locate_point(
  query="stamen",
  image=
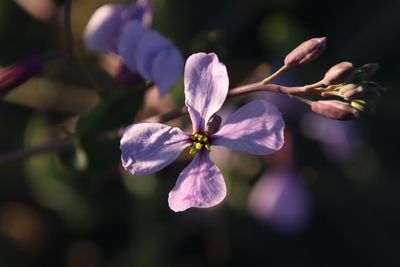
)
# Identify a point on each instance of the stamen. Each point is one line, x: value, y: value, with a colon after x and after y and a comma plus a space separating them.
x: 200, y: 141
x: 193, y: 150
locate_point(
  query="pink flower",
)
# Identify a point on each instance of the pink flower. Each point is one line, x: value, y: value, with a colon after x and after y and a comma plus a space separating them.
x: 105, y: 26
x: 280, y: 199
x: 123, y: 30
x: 255, y: 128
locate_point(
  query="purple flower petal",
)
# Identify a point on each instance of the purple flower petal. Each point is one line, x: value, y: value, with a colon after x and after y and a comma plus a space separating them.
x: 149, y: 147
x: 280, y: 199
x: 103, y: 29
x: 206, y: 87
x: 148, y: 47
x: 199, y: 185
x: 132, y: 32
x: 141, y: 11
x: 166, y: 69
x: 255, y: 128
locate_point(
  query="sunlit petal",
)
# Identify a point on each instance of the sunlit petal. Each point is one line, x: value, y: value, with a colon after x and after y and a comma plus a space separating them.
x: 256, y: 128
x: 149, y: 147
x: 200, y: 185
x: 206, y: 87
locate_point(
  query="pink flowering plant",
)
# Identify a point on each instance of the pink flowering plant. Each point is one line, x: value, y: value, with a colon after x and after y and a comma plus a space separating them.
x: 255, y: 128
x: 124, y: 31
x: 198, y: 133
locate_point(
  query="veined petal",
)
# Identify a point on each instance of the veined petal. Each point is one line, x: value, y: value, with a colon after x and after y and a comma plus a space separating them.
x: 103, y: 28
x: 148, y: 47
x: 166, y: 69
x: 149, y: 147
x: 206, y: 87
x: 200, y: 185
x: 132, y: 32
x: 256, y: 128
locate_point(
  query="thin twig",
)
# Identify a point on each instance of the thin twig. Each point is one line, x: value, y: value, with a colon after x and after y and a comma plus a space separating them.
x: 26, y: 153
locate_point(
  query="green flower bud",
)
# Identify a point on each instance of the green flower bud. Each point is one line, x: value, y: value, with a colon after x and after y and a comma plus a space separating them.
x: 359, y: 104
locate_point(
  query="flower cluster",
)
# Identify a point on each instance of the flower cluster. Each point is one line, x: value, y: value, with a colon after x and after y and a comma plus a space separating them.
x: 123, y: 30
x: 349, y: 90
x: 255, y: 128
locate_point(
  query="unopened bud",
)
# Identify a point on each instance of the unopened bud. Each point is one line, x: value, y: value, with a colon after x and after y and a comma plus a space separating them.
x: 213, y: 124
x: 373, y: 88
x: 370, y: 69
x: 350, y: 91
x: 306, y: 52
x: 338, y: 73
x: 335, y: 109
x: 363, y: 72
x: 17, y: 74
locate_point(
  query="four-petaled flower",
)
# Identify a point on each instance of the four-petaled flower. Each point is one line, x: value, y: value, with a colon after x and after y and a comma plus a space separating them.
x: 256, y: 128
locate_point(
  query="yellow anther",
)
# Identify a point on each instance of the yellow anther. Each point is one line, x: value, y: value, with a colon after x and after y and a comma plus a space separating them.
x: 207, y: 146
x: 198, y: 146
x: 200, y: 141
x: 195, y: 136
x: 193, y: 150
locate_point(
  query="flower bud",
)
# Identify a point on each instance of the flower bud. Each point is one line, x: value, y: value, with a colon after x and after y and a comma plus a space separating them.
x: 373, y: 88
x: 363, y: 72
x: 335, y: 109
x: 370, y: 69
x: 306, y: 52
x: 17, y: 74
x: 351, y: 90
x: 213, y: 124
x: 338, y: 73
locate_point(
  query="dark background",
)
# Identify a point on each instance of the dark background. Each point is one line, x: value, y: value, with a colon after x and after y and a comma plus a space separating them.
x: 78, y: 208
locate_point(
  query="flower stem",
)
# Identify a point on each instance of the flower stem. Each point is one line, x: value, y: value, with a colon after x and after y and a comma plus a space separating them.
x: 274, y: 75
x: 261, y: 86
x: 28, y: 152
x: 303, y: 100
x: 68, y: 141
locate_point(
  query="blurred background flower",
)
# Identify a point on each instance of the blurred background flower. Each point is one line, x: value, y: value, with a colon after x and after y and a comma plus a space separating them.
x: 281, y: 200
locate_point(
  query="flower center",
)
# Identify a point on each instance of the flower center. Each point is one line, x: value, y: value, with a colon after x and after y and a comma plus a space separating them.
x: 200, y: 141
